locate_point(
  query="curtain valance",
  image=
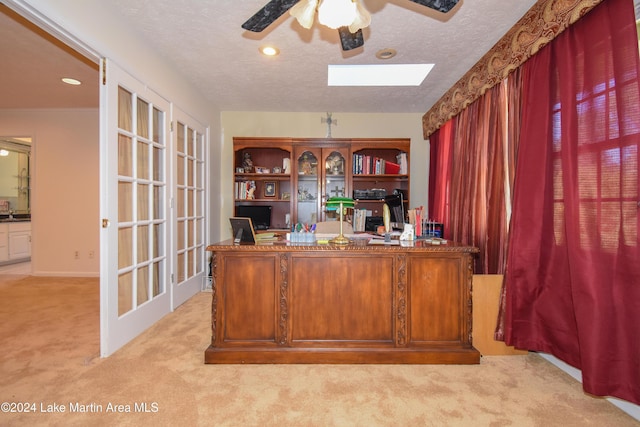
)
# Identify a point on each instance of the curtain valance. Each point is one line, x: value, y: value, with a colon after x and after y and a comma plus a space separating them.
x: 544, y: 21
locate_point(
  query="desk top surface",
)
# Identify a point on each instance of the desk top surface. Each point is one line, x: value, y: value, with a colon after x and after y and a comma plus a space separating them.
x: 355, y: 244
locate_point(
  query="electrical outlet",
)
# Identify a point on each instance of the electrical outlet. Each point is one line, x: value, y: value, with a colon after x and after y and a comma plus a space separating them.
x: 77, y: 255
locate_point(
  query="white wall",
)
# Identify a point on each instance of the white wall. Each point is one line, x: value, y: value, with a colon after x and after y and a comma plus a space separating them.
x: 64, y: 187
x: 308, y: 125
x: 92, y: 28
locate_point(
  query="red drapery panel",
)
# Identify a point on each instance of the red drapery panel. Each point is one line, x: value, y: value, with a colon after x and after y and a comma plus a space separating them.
x: 472, y: 161
x: 573, y: 275
x: 441, y: 143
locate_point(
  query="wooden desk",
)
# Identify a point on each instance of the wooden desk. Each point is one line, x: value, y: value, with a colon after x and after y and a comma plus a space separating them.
x: 288, y: 303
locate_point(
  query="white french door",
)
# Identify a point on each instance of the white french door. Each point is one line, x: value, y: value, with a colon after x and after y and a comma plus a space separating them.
x: 189, y: 203
x: 134, y: 186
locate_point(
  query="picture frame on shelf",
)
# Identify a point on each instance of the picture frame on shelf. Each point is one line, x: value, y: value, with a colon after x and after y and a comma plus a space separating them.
x: 270, y: 188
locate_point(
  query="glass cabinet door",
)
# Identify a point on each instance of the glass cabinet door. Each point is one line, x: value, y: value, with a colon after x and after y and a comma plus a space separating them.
x: 334, y: 179
x: 307, y: 196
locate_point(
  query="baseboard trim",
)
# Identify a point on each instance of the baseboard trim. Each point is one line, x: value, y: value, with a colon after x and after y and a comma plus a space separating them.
x: 65, y: 274
x: 630, y: 408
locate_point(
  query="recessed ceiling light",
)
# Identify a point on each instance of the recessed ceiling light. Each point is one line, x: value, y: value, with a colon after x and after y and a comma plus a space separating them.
x: 71, y: 81
x: 269, y: 51
x: 386, y: 53
x: 378, y: 75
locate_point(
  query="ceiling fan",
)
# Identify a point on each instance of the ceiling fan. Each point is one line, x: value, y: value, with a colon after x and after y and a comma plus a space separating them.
x: 349, y: 40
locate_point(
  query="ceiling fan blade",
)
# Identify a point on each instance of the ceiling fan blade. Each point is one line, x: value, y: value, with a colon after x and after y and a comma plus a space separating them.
x: 443, y: 6
x: 350, y: 40
x: 269, y: 13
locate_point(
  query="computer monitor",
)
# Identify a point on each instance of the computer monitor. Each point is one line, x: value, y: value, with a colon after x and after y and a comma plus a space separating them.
x: 396, y: 208
x: 260, y: 215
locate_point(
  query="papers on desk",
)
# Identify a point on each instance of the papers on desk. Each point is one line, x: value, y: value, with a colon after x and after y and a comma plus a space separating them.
x: 382, y: 242
x: 266, y: 237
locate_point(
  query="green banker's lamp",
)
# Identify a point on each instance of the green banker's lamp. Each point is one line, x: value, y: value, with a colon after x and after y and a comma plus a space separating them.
x: 340, y: 204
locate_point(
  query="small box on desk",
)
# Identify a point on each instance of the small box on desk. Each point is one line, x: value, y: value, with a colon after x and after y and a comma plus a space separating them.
x: 432, y: 229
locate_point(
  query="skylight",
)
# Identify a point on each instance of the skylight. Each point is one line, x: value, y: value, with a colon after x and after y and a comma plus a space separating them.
x: 378, y: 75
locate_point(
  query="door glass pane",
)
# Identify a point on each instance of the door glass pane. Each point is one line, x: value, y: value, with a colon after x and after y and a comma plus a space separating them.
x: 143, y: 285
x: 190, y: 233
x: 190, y: 172
x: 143, y: 243
x: 158, y: 163
x: 180, y: 202
x: 180, y: 137
x: 125, y: 156
x: 143, y: 119
x: 180, y: 230
x: 334, y: 183
x: 143, y: 161
x: 125, y: 239
x: 158, y: 129
x: 191, y: 263
x: 143, y: 202
x: 307, y: 188
x: 125, y: 197
x: 158, y: 240
x: 156, y: 283
x: 199, y: 228
x: 180, y: 173
x: 125, y: 290
x: 181, y: 272
x: 199, y: 173
x: 125, y: 110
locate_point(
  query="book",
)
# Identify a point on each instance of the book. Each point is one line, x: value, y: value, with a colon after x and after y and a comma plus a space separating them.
x: 391, y: 168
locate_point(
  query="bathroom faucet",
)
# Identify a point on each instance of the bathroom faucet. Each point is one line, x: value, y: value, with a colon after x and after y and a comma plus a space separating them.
x: 10, y: 213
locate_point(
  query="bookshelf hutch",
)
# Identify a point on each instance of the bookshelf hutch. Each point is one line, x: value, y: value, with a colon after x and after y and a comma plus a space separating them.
x: 295, y: 176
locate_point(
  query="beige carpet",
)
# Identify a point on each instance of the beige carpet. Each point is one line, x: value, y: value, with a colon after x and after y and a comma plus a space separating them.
x: 49, y: 331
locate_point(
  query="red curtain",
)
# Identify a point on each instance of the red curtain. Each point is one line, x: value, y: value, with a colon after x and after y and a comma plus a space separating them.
x: 471, y: 175
x: 441, y: 144
x: 573, y: 274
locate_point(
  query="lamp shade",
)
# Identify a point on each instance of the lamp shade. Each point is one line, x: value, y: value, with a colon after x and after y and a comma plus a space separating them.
x: 362, y: 19
x: 304, y: 12
x: 334, y: 203
x: 336, y: 13
x: 340, y: 204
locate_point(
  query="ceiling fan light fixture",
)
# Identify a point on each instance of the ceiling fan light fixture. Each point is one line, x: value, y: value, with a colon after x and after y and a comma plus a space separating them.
x: 336, y: 13
x: 362, y: 19
x: 304, y: 12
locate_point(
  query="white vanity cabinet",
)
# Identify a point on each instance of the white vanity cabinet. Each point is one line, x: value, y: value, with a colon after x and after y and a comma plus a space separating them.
x: 4, y: 242
x: 15, y: 241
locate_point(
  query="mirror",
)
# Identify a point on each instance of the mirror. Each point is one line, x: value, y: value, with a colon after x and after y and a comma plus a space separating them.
x: 15, y: 176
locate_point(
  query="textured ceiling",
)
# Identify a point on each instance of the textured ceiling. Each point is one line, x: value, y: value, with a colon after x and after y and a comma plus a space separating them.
x: 205, y: 42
